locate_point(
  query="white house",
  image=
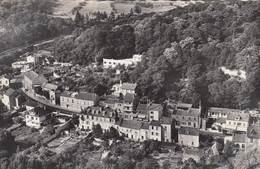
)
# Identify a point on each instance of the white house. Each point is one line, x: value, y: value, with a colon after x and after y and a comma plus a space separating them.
x: 237, y: 121
x: 4, y: 81
x: 112, y: 63
x: 37, y: 117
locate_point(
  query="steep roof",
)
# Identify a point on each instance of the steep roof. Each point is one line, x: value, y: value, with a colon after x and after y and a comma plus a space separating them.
x: 239, y: 137
x: 189, y: 131
x: 131, y: 124
x: 109, y: 101
x: 183, y: 105
x: 141, y: 107
x: 129, y: 97
x: 128, y: 86
x: 86, y: 96
x: 253, y: 132
x: 238, y: 116
x: 167, y: 120
x: 31, y: 104
x: 191, y: 112
x: 35, y: 78
x: 155, y: 123
x: 145, y: 126
x: 49, y: 86
x: 153, y: 106
x: 39, y: 112
x: 11, y: 93
x: 31, y: 75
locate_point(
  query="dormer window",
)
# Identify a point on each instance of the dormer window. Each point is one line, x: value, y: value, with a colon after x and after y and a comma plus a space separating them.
x: 238, y: 118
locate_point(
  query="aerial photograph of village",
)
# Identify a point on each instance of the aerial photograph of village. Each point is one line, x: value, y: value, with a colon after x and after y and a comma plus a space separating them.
x: 129, y: 84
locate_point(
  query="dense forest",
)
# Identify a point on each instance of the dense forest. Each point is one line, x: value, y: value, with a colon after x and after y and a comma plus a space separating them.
x: 183, y: 51
x: 27, y: 21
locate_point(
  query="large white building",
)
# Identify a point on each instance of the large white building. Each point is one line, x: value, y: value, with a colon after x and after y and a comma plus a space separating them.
x: 78, y: 101
x: 112, y: 63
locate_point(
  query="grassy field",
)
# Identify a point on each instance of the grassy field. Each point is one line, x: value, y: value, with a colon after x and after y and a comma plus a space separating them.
x: 65, y: 7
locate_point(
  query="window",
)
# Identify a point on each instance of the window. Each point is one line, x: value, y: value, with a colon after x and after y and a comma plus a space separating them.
x: 151, y: 112
x: 194, y: 124
x: 195, y: 118
x: 72, y: 101
x: 32, y: 118
x: 234, y: 123
x: 165, y: 128
x: 151, y: 117
x: 68, y: 100
x: 192, y: 143
x: 230, y: 123
x: 176, y: 117
x: 152, y: 133
x: 189, y: 123
x: 243, y: 145
x: 157, y: 134
x: 152, y: 127
x: 156, y: 128
x: 63, y: 99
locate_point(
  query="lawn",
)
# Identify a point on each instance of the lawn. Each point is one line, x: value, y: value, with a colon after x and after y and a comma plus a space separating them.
x: 65, y: 7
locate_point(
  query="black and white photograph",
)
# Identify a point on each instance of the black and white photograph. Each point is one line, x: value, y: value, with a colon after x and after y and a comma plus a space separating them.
x: 129, y: 84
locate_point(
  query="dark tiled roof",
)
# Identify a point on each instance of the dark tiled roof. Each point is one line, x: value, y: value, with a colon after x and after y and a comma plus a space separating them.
x: 31, y: 75
x: 183, y: 105
x: 128, y: 86
x: 253, y: 132
x: 155, y: 123
x: 110, y: 101
x: 66, y: 93
x: 35, y: 78
x: 189, y: 131
x: 239, y: 137
x: 31, y: 104
x: 167, y: 120
x: 49, y: 86
x: 11, y: 92
x: 191, y: 112
x: 86, y: 96
x: 129, y: 97
x: 131, y: 124
x: 145, y: 126
x: 238, y: 116
x: 39, y: 111
x: 141, y: 107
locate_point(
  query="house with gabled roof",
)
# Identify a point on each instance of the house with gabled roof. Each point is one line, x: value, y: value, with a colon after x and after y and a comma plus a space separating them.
x: 91, y: 116
x: 4, y: 81
x: 155, y: 130
x: 123, y: 88
x: 12, y: 99
x: 187, y: 118
x: 253, y: 136
x: 188, y: 136
x: 149, y: 112
x: 78, y: 101
x: 237, y: 121
x: 217, y: 112
x: 32, y: 80
x: 130, y: 128
x: 167, y: 129
x: 37, y: 117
